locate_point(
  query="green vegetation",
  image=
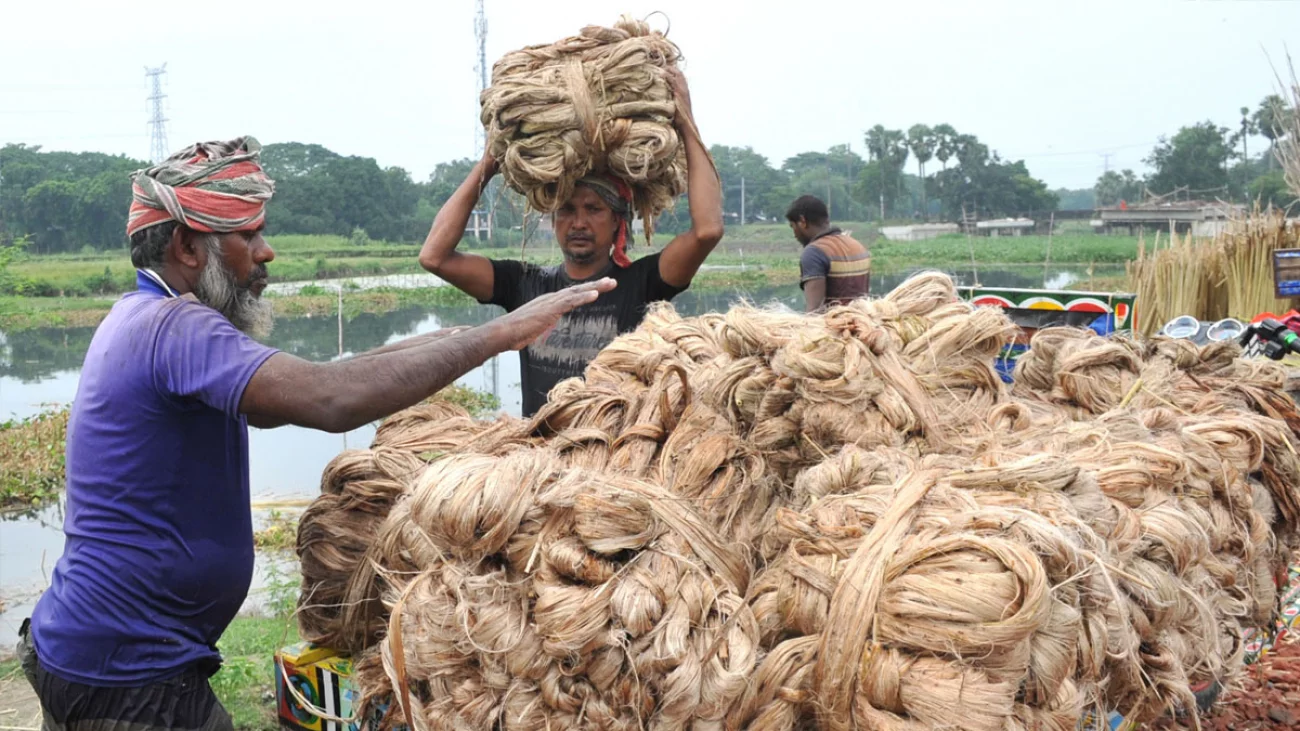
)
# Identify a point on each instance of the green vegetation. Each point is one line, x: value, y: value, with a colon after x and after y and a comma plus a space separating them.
x: 478, y: 403
x: 1206, y: 161
x: 1067, y: 248
x: 31, y: 460
x: 279, y: 532
x: 25, y: 313
x: 74, y: 204
x: 384, y: 299
x: 246, y: 682
x: 10, y: 668
x: 767, y: 252
x: 971, y: 178
x: 299, y: 258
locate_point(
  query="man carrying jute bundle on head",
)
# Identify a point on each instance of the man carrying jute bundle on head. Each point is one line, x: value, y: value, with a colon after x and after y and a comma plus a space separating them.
x: 592, y: 229
x: 834, y: 268
x: 159, y: 551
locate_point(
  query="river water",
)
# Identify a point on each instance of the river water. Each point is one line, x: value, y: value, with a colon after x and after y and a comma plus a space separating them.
x: 39, y: 369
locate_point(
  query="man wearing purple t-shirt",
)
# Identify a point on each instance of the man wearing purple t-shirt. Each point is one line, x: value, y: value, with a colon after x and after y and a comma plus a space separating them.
x: 159, y: 551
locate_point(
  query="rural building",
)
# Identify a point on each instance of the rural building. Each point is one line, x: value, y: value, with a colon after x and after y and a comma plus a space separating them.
x: 1005, y: 227
x: 919, y: 232
x: 1201, y: 218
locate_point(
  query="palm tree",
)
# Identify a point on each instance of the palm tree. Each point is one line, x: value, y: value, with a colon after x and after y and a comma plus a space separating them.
x: 945, y: 138
x: 1270, y: 120
x: 920, y: 139
x: 889, y: 148
x: 896, y: 157
x: 1247, y: 129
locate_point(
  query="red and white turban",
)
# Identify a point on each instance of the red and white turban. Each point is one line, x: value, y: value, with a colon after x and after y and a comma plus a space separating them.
x: 214, y: 187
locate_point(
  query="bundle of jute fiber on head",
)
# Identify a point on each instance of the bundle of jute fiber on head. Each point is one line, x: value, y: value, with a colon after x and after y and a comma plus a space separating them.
x: 595, y: 102
x: 763, y: 519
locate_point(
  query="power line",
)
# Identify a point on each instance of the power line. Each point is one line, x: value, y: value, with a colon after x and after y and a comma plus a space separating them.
x: 56, y: 88
x: 33, y: 112
x: 157, y: 123
x: 481, y: 70
x: 492, y: 369
x: 1095, y: 150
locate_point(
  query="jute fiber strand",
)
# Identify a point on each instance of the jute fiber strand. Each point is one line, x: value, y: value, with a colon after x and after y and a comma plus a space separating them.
x: 770, y: 520
x: 598, y: 101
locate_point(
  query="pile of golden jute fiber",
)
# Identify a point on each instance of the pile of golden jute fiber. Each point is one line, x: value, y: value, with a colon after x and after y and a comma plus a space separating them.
x: 596, y: 102
x: 767, y: 520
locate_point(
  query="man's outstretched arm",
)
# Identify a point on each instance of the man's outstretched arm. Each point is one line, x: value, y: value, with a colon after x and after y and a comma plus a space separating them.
x: 343, y: 395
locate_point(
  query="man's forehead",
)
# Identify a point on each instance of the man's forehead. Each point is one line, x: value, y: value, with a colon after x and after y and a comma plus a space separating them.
x: 583, y: 193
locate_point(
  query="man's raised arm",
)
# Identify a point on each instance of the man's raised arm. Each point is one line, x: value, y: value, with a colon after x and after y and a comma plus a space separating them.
x: 686, y: 252
x: 470, y: 273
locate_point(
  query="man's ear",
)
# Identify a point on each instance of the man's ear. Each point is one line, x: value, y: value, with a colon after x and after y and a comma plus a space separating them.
x: 184, y: 246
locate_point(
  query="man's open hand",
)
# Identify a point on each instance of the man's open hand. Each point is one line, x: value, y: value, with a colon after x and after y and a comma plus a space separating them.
x: 489, y: 164
x: 681, y: 95
x: 535, y: 319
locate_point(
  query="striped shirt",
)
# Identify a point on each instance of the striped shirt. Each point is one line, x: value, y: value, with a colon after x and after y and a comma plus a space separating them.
x: 844, y: 263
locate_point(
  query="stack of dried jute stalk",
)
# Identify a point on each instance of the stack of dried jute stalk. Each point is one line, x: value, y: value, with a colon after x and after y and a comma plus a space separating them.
x: 764, y: 520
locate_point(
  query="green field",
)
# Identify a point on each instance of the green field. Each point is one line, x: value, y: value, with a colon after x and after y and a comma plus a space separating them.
x: 246, y: 682
x: 77, y: 290
x: 300, y: 258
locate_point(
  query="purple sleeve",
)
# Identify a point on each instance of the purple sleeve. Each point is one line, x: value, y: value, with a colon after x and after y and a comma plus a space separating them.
x: 813, y: 264
x: 200, y: 355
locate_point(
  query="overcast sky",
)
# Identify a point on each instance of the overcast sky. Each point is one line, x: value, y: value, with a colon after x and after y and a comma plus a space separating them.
x: 1056, y: 83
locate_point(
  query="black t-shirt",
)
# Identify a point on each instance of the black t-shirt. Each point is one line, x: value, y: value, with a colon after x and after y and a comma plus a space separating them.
x: 580, y: 334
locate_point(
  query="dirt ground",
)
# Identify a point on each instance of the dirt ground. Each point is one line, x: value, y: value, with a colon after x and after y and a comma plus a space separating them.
x: 19, y: 708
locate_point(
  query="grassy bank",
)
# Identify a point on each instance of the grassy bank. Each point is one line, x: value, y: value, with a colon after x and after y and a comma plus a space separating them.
x: 77, y: 291
x: 246, y: 682
x: 31, y: 460
x: 304, y: 258
x: 25, y: 313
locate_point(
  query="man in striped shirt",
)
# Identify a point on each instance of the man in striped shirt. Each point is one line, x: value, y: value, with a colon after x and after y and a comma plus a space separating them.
x: 833, y: 268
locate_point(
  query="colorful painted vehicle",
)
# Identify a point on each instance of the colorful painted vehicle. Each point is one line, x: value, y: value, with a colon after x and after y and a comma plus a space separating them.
x: 1035, y: 309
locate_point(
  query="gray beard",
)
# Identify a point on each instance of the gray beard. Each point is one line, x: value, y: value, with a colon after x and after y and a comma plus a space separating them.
x: 218, y: 289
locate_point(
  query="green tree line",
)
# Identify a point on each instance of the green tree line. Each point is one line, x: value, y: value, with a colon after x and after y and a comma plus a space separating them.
x: 64, y: 202
x: 971, y: 178
x: 68, y: 202
x: 1209, y: 161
